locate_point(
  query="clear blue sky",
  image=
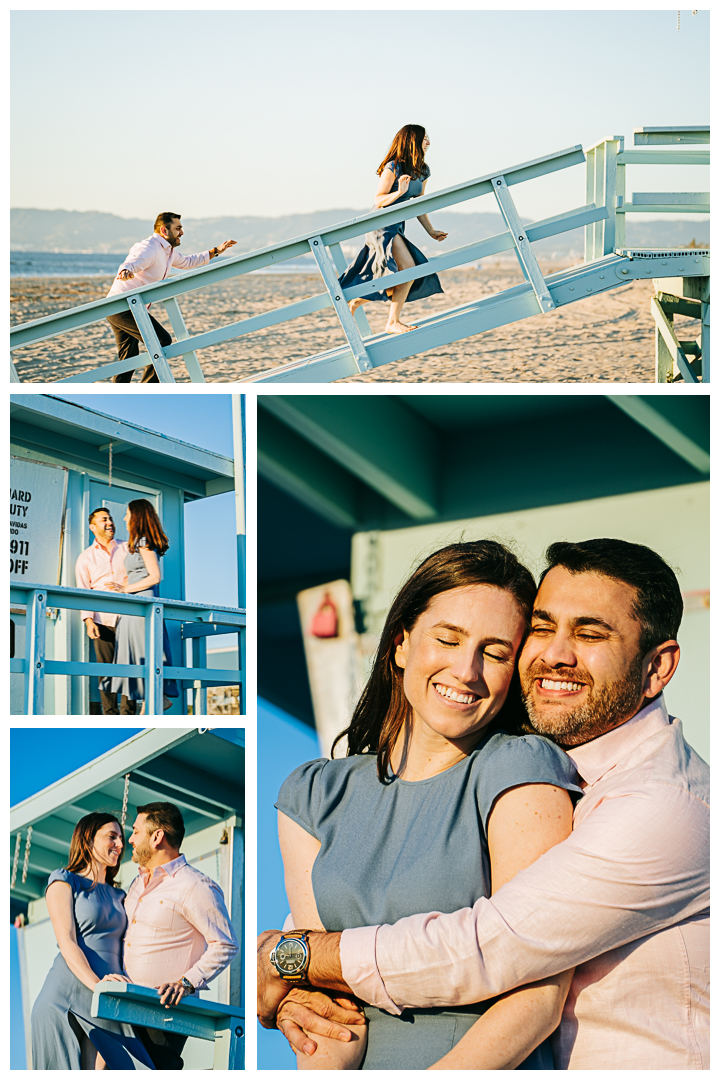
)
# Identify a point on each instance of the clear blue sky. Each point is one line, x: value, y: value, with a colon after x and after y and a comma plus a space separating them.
x: 205, y: 420
x: 268, y: 113
x: 283, y: 744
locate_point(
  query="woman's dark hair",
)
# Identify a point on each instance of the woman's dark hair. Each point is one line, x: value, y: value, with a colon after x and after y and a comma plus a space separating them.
x: 407, y: 151
x: 658, y: 605
x: 81, y: 845
x: 144, y: 522
x: 382, y: 709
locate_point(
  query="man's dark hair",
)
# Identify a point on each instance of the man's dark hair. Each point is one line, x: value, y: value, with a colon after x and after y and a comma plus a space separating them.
x: 165, y: 219
x: 98, y: 510
x: 658, y: 605
x: 165, y: 816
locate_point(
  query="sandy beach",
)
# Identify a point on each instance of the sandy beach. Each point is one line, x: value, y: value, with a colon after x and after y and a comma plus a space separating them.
x: 606, y: 338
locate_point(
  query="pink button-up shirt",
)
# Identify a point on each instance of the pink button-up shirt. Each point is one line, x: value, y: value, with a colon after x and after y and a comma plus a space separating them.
x: 95, y: 567
x: 624, y: 900
x: 150, y: 260
x: 178, y: 926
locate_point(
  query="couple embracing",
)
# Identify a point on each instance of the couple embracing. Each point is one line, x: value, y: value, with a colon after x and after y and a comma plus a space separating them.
x: 171, y: 932
x: 130, y: 566
x: 482, y: 885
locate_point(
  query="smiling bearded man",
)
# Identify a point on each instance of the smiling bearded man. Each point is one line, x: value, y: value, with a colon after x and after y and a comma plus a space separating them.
x: 583, y: 667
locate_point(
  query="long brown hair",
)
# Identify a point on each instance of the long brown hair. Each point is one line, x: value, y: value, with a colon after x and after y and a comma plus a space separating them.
x: 407, y: 151
x: 81, y: 845
x: 144, y: 522
x: 383, y: 707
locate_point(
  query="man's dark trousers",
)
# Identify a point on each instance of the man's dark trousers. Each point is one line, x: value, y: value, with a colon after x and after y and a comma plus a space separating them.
x: 164, y: 1047
x: 105, y: 654
x: 128, y: 339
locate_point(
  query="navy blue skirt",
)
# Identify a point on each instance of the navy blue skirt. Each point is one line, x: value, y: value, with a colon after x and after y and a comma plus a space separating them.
x: 376, y: 260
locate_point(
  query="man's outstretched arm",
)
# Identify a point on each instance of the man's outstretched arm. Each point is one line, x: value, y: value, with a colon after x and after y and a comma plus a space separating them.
x: 601, y: 888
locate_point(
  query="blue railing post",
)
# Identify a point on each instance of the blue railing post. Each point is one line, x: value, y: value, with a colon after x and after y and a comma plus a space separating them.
x: 605, y: 186
x: 154, y: 659
x: 341, y: 265
x: 199, y: 654
x: 155, y: 351
x: 349, y: 326
x: 35, y: 654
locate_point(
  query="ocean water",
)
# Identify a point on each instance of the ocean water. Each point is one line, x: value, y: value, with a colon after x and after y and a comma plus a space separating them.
x: 79, y: 265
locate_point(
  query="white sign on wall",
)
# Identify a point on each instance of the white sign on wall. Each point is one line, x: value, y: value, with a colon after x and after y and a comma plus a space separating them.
x: 37, y: 515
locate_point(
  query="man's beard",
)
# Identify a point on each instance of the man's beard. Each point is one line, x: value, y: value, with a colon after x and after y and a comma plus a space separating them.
x: 141, y: 853
x: 601, y: 711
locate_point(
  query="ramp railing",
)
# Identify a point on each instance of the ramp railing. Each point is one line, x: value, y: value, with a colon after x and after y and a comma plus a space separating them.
x: 198, y: 621
x: 322, y: 246
x: 223, y: 1025
x: 603, y: 218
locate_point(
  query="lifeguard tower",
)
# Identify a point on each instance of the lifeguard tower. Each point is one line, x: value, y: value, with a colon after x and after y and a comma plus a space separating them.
x: 66, y: 460
x: 202, y: 772
x: 369, y: 486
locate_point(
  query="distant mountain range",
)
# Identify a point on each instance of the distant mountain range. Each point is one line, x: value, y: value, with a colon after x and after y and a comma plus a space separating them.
x: 87, y: 232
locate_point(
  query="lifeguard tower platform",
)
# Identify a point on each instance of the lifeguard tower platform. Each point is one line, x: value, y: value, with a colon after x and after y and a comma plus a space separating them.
x: 203, y: 773
x: 680, y: 276
x: 66, y: 460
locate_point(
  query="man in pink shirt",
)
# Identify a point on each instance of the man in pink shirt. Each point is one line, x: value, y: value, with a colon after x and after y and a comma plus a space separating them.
x: 179, y: 935
x: 148, y: 261
x: 102, y: 567
x: 623, y: 901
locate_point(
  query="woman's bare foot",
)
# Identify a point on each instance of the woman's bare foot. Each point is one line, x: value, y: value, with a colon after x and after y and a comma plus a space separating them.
x: 398, y: 328
x: 355, y: 304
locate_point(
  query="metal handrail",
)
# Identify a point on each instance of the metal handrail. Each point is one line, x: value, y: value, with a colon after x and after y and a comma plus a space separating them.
x: 168, y: 290
x: 603, y: 217
x: 154, y: 610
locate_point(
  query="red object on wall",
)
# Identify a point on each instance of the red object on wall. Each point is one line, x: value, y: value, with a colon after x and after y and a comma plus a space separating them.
x: 325, y: 620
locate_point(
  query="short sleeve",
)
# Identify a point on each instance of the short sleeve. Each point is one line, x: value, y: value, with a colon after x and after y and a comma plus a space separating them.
x: 301, y: 795
x: 425, y: 173
x: 528, y: 759
x: 63, y: 875
x: 394, y: 167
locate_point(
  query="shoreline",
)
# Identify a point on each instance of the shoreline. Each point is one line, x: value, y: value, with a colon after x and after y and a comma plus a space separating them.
x: 605, y: 338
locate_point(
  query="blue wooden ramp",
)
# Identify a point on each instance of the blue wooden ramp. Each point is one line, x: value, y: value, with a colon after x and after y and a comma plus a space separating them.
x: 608, y: 263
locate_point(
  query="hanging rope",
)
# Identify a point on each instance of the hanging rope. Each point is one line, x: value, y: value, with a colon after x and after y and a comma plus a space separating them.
x: 18, y: 841
x: 110, y: 458
x: 123, y: 816
x: 26, y: 860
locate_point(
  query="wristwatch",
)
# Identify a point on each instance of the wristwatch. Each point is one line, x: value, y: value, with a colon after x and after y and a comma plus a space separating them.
x: 291, y: 956
x: 187, y: 985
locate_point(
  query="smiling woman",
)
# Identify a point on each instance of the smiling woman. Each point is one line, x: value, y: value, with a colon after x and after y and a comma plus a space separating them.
x: 458, y: 805
x: 89, y: 921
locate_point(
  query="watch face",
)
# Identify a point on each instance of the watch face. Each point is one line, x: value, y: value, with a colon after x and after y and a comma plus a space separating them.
x: 290, y: 956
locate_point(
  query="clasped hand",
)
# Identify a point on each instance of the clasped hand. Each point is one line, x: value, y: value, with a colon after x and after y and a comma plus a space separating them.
x: 294, y: 1010
x: 319, y: 1012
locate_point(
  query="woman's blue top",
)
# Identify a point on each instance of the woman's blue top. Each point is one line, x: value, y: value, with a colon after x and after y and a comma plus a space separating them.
x: 399, y: 848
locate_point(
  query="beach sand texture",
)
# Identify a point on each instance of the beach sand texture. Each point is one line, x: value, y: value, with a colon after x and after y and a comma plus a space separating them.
x: 606, y: 338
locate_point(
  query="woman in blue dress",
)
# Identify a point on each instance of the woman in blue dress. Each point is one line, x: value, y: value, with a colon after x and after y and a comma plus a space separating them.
x: 403, y: 175
x: 88, y: 917
x: 436, y: 804
x: 147, y: 543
